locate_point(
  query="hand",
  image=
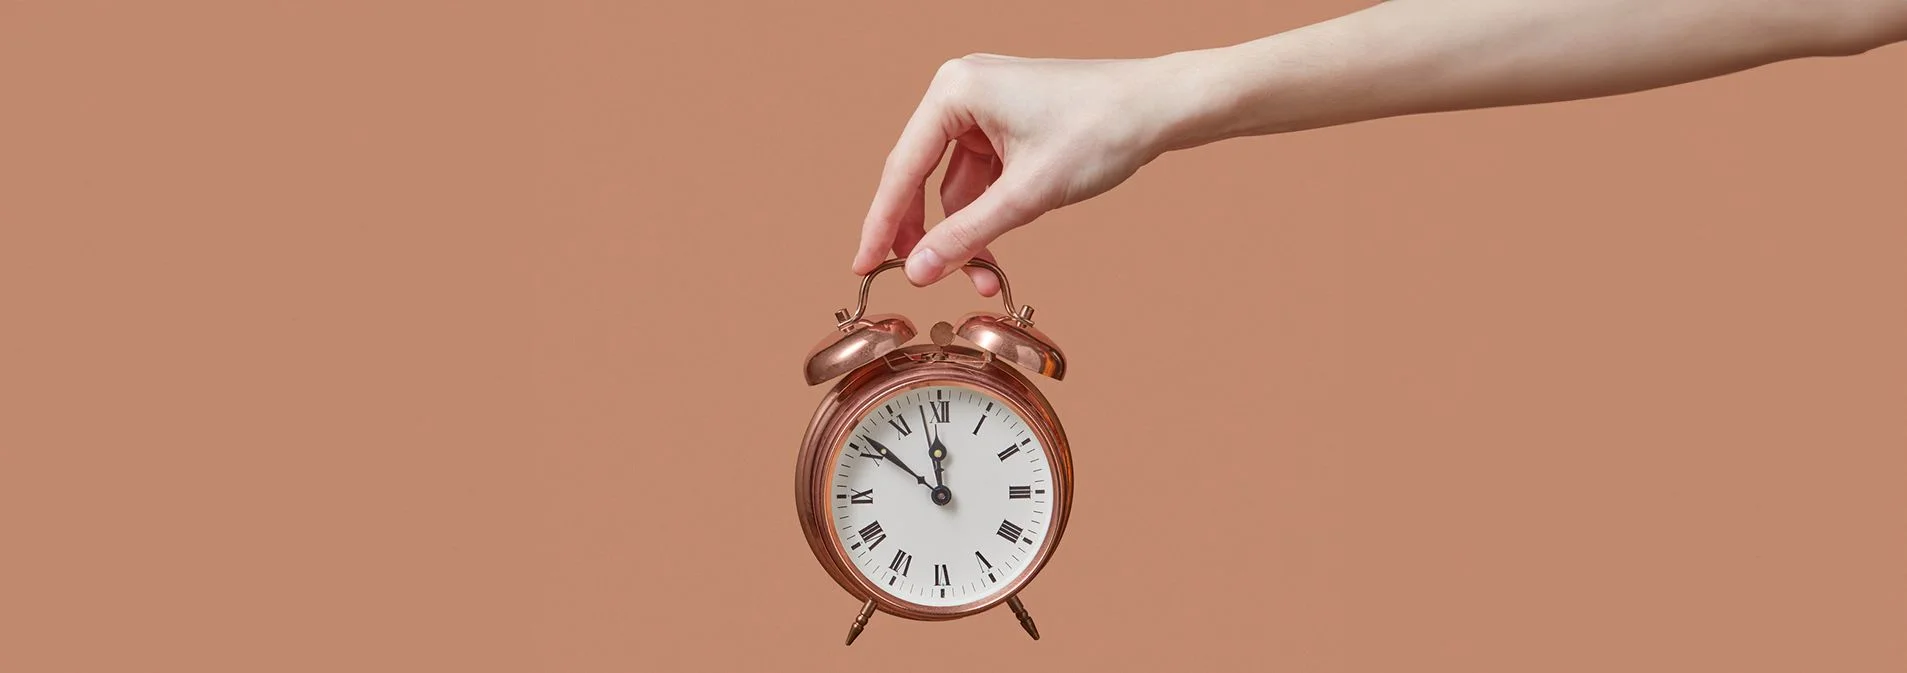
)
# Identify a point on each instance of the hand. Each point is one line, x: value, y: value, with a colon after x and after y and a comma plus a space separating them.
x: 936, y: 451
x: 1032, y: 135
x: 941, y: 495
x: 1029, y: 136
x: 895, y: 459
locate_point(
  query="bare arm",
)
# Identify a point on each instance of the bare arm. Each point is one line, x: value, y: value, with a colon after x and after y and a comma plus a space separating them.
x: 1032, y: 135
x: 1416, y: 56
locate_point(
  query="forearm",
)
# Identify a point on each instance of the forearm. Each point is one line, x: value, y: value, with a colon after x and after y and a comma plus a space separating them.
x: 1417, y: 56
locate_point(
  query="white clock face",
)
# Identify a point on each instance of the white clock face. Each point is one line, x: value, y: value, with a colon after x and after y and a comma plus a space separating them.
x: 942, y: 495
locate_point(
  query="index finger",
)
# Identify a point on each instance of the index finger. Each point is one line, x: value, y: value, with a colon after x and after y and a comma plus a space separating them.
x: 914, y: 156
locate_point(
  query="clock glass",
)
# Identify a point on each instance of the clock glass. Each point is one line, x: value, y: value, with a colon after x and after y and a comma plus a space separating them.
x: 941, y: 495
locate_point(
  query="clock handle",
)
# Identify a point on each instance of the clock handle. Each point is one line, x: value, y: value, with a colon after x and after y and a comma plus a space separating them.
x: 843, y: 318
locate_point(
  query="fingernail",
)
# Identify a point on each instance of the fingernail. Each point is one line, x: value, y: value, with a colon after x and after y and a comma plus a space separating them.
x: 924, y: 266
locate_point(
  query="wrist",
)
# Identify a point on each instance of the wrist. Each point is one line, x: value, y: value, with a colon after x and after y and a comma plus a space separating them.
x: 1192, y: 103
x: 1277, y: 84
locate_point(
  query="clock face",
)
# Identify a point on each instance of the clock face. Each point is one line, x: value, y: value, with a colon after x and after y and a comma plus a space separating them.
x: 941, y: 496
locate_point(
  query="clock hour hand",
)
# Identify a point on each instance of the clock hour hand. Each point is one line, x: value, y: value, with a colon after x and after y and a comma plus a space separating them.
x: 941, y: 495
x: 938, y: 452
x: 935, y: 451
x: 895, y: 459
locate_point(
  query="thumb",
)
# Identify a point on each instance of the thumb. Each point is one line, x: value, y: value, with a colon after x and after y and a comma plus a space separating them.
x: 1004, y: 206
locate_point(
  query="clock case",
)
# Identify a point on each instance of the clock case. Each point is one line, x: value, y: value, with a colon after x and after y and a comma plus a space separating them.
x: 871, y: 355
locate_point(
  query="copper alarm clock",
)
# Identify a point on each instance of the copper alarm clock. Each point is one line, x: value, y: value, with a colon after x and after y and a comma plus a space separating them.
x: 934, y: 481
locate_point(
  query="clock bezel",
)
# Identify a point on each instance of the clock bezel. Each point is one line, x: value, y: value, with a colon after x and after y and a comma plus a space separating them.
x: 864, y: 389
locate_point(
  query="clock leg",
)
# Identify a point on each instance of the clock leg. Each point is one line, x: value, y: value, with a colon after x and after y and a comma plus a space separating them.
x: 860, y: 622
x: 1026, y: 620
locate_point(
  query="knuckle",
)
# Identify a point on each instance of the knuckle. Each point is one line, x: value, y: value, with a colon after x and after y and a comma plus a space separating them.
x: 951, y: 77
x: 964, y: 239
x: 958, y: 75
x: 1028, y: 193
x: 1018, y: 203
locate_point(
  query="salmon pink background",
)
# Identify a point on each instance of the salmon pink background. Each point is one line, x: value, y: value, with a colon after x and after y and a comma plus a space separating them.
x: 464, y: 336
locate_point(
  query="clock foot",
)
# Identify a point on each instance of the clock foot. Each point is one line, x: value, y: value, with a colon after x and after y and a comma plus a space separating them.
x: 860, y: 622
x: 1026, y: 620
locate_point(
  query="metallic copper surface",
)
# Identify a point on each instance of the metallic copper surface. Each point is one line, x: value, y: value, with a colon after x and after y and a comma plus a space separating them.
x: 858, y: 342
x: 894, y: 374
x: 1015, y: 340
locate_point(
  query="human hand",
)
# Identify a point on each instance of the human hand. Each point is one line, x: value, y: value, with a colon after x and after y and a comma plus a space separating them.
x: 1029, y: 136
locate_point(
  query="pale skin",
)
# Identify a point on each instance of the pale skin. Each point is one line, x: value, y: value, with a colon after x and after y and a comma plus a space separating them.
x: 1032, y: 135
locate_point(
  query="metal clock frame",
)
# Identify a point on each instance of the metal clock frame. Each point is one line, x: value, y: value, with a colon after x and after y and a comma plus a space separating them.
x: 894, y: 370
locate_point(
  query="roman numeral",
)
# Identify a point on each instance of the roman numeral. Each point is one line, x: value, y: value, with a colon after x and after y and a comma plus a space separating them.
x: 900, y: 423
x: 872, y: 535
x: 976, y: 426
x: 1019, y: 492
x: 942, y: 578
x: 857, y: 497
x: 1013, y: 449
x: 864, y: 452
x: 985, y: 567
x: 1011, y: 532
x: 902, y: 562
x: 941, y: 410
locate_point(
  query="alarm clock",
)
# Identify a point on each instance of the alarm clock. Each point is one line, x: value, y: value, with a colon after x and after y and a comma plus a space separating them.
x: 935, y: 480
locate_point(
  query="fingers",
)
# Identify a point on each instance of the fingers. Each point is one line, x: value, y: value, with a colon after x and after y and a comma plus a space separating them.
x: 909, y: 235
x: 1002, y: 207
x: 912, y: 224
x: 914, y: 156
x: 984, y: 281
x: 968, y: 175
x: 976, y: 212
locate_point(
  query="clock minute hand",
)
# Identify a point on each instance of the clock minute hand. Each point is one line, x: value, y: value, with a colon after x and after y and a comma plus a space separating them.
x: 895, y: 459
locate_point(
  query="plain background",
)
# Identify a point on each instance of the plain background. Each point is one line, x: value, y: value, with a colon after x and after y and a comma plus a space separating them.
x: 465, y: 336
